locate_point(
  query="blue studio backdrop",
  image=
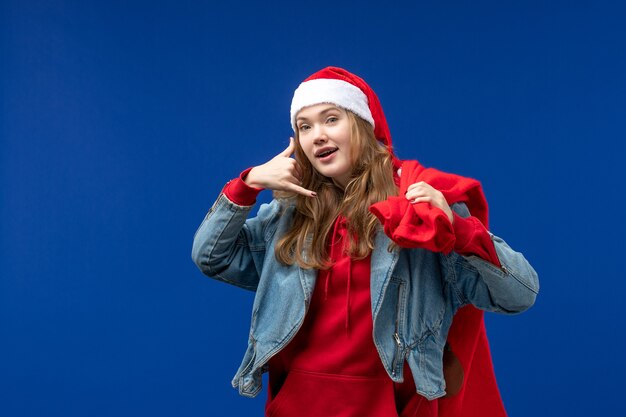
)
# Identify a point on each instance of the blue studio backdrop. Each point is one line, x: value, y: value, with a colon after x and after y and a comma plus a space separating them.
x: 120, y: 122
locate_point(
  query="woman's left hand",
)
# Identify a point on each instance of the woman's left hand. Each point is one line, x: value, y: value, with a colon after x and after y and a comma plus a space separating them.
x: 421, y: 192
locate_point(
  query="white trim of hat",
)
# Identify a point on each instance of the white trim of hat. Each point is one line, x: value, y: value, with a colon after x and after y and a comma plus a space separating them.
x: 326, y: 90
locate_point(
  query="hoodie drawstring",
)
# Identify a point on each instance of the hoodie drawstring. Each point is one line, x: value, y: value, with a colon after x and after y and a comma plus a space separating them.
x: 338, y: 247
x: 335, y: 239
x: 348, y: 289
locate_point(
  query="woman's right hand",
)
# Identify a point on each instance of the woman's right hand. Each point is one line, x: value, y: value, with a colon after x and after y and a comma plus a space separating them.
x: 281, y: 173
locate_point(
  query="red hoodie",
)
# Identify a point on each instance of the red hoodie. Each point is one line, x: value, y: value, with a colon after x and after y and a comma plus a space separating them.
x: 332, y: 368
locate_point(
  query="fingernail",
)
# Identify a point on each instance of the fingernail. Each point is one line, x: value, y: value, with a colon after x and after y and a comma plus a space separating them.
x: 313, y: 194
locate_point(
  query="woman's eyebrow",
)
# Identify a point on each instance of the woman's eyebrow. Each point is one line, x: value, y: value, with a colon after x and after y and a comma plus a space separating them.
x: 329, y: 110
x: 323, y: 112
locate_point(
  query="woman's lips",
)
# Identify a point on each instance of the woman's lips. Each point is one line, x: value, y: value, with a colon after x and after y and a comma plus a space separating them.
x: 326, y: 153
x: 327, y: 156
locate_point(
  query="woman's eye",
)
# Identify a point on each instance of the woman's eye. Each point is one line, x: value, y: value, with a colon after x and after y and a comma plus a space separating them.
x: 332, y: 119
x: 304, y: 128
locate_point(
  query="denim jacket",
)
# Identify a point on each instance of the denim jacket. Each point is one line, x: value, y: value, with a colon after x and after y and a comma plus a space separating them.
x: 414, y: 292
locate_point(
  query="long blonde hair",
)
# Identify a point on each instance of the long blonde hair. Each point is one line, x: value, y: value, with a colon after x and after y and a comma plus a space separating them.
x: 371, y: 181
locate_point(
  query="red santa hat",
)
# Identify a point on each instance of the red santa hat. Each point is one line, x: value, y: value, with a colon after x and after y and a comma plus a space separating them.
x: 337, y: 86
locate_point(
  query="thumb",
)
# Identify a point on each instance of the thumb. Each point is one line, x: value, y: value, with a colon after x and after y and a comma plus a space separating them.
x: 289, y: 150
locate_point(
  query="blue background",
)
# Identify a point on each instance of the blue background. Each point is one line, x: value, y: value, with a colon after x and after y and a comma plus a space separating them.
x: 121, y: 121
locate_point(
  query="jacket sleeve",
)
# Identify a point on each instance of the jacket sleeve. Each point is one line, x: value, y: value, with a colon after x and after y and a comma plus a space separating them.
x: 230, y: 248
x: 511, y: 287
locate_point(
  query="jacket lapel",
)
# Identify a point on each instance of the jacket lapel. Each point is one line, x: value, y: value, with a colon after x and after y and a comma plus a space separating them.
x: 383, y: 263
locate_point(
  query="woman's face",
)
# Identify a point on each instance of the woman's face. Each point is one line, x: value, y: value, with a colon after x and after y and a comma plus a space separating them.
x: 324, y: 134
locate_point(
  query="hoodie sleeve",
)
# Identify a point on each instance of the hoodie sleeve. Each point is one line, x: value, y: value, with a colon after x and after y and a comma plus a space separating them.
x: 239, y: 192
x: 472, y: 238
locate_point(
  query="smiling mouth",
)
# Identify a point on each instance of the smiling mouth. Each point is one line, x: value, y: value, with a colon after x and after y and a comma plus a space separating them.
x: 326, y: 153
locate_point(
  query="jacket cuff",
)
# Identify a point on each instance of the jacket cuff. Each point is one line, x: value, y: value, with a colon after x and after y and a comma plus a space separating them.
x: 239, y: 192
x: 472, y: 238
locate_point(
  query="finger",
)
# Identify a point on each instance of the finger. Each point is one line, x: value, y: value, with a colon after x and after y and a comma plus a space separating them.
x: 416, y: 185
x: 289, y: 150
x: 417, y: 192
x: 301, y: 190
x: 425, y: 199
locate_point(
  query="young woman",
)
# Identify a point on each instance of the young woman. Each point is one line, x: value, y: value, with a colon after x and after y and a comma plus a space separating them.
x: 359, y: 265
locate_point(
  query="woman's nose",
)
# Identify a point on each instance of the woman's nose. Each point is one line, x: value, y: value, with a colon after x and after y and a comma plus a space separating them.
x: 320, y: 136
